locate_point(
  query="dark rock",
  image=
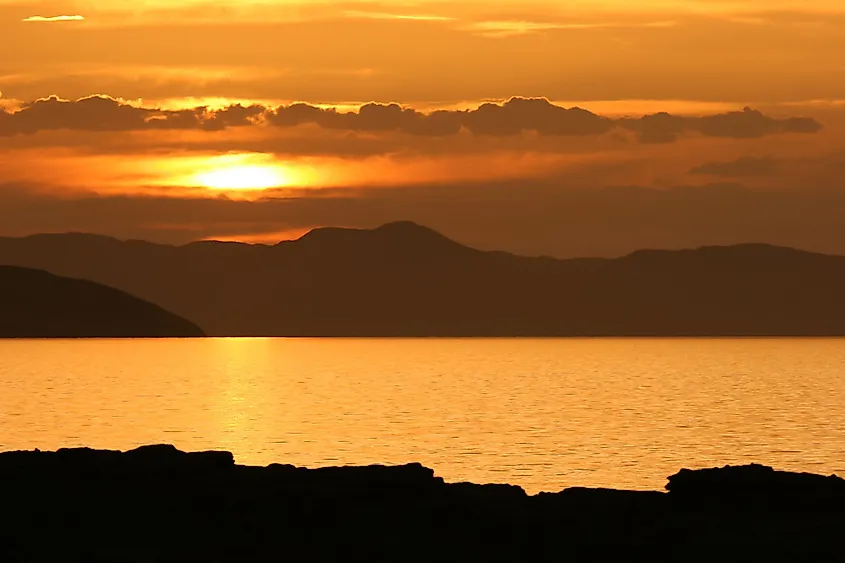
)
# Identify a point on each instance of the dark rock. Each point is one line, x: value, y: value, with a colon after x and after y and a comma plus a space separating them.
x: 757, y: 486
x: 158, y: 504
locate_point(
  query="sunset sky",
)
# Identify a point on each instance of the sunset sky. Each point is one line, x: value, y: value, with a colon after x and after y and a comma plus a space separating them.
x: 580, y: 127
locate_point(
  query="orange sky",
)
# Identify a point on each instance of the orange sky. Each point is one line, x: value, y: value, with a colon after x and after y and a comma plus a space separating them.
x: 483, y: 173
x: 428, y: 51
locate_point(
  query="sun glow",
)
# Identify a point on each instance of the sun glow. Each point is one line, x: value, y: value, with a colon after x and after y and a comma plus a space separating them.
x: 243, y: 178
x: 244, y: 172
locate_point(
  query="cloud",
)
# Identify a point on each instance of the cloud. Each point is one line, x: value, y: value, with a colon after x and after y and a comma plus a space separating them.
x: 746, y: 166
x: 104, y: 113
x: 745, y: 124
x: 354, y: 14
x: 513, y: 117
x: 49, y: 19
x: 7, y: 105
x: 534, y: 114
x: 507, y: 28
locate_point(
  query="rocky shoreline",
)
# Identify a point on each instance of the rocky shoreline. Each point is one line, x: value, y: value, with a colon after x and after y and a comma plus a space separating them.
x: 158, y: 504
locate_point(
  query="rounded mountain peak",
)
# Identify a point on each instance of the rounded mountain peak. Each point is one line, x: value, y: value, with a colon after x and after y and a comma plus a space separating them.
x: 397, y: 234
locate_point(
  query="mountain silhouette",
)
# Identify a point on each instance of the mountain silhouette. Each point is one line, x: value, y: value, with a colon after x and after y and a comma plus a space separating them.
x: 402, y: 279
x: 37, y: 304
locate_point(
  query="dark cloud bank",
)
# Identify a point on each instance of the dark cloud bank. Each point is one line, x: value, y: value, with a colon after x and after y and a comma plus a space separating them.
x: 517, y: 115
x: 747, y: 166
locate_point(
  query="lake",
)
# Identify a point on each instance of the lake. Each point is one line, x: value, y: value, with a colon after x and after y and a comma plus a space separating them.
x: 541, y: 413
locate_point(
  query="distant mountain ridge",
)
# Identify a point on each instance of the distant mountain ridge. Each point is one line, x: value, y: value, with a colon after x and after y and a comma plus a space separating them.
x: 37, y: 304
x: 402, y: 279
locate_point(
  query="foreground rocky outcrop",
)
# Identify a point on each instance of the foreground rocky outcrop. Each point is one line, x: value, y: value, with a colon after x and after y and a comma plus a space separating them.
x: 157, y: 504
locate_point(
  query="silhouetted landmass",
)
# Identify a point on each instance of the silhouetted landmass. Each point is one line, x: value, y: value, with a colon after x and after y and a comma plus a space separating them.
x: 402, y: 279
x: 37, y: 304
x: 157, y: 504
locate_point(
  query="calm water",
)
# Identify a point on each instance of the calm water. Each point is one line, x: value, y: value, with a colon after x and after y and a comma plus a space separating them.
x: 543, y: 414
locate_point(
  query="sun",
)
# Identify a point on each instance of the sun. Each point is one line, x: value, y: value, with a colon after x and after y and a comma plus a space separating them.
x: 243, y: 178
x: 238, y: 175
x: 243, y: 172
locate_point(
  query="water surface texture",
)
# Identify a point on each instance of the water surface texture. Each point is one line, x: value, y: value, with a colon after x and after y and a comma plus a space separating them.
x: 544, y: 414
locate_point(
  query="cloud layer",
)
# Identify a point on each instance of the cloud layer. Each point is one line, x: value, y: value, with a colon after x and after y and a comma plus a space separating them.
x: 746, y: 166
x: 516, y: 116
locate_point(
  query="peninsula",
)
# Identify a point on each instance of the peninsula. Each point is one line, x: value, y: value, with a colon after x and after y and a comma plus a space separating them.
x: 37, y: 304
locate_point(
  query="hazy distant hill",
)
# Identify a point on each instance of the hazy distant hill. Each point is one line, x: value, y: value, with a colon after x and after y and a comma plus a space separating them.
x: 403, y: 279
x: 37, y: 304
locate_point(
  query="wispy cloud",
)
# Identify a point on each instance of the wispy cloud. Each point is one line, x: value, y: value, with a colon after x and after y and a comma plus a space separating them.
x: 506, y: 28
x: 8, y: 105
x: 49, y: 19
x: 392, y: 16
x: 745, y: 166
